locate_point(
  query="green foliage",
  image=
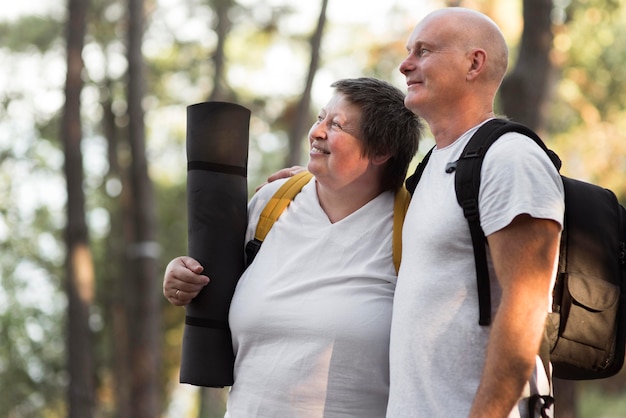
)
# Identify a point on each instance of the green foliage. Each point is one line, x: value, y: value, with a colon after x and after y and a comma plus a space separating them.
x: 172, y: 216
x: 31, y: 31
x: 591, y: 50
x: 603, y: 399
x: 32, y: 376
x: 589, y: 109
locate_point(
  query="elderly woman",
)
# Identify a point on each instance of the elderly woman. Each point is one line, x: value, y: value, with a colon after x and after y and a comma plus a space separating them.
x: 310, y: 317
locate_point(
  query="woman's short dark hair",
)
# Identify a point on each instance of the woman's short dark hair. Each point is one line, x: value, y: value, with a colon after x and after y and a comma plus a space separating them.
x: 387, y: 126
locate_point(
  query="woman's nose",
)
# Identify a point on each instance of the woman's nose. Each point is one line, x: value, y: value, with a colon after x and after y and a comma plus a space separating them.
x: 317, y: 130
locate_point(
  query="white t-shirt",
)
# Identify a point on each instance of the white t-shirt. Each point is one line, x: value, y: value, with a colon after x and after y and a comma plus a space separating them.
x: 437, y: 346
x: 310, y: 317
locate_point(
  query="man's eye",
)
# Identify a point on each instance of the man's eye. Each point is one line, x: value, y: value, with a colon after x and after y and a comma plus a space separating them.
x: 422, y: 52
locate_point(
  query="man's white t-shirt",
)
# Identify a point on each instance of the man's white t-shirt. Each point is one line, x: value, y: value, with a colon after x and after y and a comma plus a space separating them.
x: 310, y: 317
x: 437, y: 346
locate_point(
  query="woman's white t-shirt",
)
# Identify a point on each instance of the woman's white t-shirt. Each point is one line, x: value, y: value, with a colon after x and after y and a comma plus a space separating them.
x: 310, y: 317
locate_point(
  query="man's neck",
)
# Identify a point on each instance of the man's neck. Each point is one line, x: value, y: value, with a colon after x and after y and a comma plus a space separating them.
x: 448, y: 129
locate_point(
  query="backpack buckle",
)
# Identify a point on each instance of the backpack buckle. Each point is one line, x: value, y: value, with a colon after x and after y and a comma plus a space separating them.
x: 252, y: 247
x: 451, y: 166
x: 544, y: 402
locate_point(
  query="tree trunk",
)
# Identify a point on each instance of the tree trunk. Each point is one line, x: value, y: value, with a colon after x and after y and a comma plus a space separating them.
x: 524, y: 91
x: 301, y: 121
x: 566, y: 397
x: 114, y: 283
x: 143, y: 286
x: 222, y: 28
x: 79, y: 263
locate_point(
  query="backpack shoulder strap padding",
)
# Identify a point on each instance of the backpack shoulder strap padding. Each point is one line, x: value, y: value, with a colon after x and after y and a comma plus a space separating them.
x: 273, y: 209
x: 467, y: 185
x: 400, y: 206
x: 279, y: 202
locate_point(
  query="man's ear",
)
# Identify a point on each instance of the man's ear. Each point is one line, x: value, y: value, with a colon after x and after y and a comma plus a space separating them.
x: 477, y: 64
x: 380, y: 159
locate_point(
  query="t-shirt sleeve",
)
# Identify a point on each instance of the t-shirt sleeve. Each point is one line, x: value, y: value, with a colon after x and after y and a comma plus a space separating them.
x: 517, y: 177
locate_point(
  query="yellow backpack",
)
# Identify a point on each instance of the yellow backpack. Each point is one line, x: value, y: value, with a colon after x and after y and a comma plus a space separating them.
x: 286, y: 193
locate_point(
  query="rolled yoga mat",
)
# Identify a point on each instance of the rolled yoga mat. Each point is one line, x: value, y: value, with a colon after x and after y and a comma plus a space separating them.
x: 217, y: 194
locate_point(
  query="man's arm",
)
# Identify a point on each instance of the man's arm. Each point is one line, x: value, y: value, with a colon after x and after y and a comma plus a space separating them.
x: 523, y: 255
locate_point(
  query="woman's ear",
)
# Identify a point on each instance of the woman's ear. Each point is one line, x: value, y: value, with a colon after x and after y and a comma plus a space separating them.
x: 380, y: 159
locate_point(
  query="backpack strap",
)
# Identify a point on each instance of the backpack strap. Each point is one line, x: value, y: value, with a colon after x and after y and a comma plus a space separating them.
x: 400, y: 206
x: 467, y: 185
x: 287, y: 192
x: 413, y: 179
x: 273, y: 209
x: 279, y: 202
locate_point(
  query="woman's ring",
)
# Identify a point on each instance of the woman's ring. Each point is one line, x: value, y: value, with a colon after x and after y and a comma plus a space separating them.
x: 176, y: 294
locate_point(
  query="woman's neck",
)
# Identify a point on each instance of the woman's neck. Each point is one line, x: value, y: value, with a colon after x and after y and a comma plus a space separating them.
x: 342, y: 202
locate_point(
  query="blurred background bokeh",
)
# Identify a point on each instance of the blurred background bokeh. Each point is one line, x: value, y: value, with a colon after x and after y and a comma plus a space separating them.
x: 93, y: 97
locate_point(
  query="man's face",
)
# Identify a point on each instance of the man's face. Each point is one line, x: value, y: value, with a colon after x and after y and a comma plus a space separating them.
x: 435, y: 67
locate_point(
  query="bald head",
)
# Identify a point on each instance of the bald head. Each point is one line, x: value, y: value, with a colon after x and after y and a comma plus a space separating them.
x: 470, y: 29
x: 456, y: 61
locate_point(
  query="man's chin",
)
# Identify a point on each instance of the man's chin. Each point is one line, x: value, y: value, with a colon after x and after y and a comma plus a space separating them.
x: 413, y: 104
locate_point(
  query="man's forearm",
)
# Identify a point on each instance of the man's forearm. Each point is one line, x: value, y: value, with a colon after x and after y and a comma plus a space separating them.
x: 513, y: 345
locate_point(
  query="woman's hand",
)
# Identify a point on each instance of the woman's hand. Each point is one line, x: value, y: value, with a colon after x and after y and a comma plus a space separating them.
x: 182, y: 280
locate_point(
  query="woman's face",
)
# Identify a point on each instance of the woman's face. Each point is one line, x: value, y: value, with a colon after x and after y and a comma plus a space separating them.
x: 336, y: 153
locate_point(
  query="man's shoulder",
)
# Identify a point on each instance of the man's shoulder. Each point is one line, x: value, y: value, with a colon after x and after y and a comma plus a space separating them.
x: 515, y: 146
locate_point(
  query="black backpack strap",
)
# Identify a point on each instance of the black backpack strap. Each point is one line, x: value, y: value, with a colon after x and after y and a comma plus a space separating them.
x: 467, y: 184
x: 413, y: 179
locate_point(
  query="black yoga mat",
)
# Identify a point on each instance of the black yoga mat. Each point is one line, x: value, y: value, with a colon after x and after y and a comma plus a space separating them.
x: 217, y: 158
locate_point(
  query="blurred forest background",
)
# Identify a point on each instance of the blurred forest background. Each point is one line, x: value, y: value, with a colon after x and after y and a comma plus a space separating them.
x: 92, y: 151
